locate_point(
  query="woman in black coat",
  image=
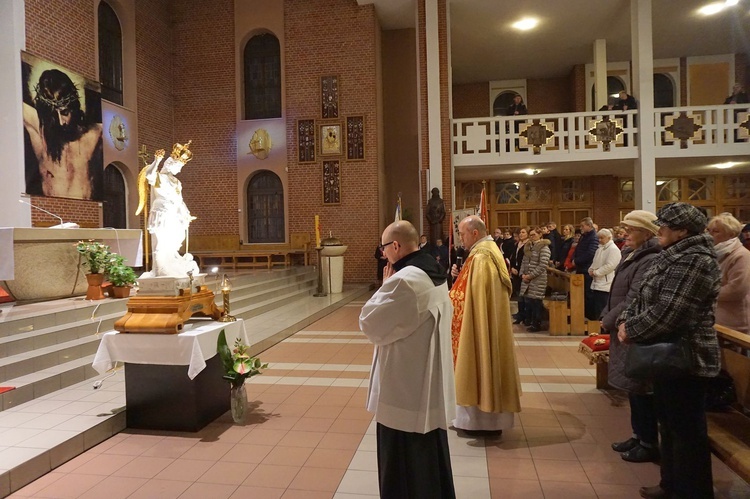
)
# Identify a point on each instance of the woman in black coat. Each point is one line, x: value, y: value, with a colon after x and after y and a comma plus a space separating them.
x: 642, y: 247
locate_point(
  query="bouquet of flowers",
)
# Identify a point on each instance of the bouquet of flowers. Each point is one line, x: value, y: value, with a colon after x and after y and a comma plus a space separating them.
x: 238, y: 364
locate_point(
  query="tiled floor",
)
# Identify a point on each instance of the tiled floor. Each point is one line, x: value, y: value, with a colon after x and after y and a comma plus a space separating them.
x: 308, y: 435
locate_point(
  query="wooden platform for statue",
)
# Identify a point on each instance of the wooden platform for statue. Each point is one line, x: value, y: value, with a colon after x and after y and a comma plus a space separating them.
x: 167, y: 314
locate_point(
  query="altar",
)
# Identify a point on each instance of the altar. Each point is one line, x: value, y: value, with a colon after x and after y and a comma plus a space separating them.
x: 172, y: 381
x: 43, y: 264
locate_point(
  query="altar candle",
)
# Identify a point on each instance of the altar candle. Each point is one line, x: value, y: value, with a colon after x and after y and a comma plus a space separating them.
x: 317, y: 231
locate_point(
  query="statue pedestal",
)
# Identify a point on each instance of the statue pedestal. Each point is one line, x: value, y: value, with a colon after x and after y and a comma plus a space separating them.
x: 167, y: 286
x: 159, y: 312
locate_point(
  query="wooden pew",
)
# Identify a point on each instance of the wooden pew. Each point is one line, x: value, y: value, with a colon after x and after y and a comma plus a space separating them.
x: 566, y: 317
x: 729, y: 432
x: 226, y: 252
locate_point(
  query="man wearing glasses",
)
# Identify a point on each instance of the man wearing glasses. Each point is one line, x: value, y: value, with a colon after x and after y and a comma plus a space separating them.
x: 412, y: 391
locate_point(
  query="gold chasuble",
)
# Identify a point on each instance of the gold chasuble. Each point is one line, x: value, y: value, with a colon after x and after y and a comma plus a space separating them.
x: 483, y: 351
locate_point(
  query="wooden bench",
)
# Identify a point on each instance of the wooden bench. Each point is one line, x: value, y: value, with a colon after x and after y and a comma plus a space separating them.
x: 729, y: 432
x: 566, y: 317
x: 226, y: 252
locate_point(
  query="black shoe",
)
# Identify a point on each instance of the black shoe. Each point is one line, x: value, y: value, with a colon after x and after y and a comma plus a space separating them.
x: 655, y: 492
x: 534, y: 328
x: 517, y: 321
x: 626, y: 445
x: 480, y: 433
x: 641, y: 454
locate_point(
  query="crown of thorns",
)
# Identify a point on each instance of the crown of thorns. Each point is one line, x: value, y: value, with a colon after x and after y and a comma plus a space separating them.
x: 60, y: 102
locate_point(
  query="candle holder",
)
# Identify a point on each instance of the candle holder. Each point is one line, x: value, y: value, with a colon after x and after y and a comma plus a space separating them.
x: 226, y: 287
x: 320, y: 291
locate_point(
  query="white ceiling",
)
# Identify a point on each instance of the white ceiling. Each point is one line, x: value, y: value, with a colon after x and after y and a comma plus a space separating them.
x: 484, y: 47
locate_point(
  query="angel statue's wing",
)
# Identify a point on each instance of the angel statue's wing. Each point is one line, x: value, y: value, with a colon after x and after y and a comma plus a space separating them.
x: 143, y: 190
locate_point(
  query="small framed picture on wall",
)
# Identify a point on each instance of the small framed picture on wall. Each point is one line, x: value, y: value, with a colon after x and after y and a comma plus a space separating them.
x: 329, y: 97
x: 355, y: 138
x: 330, y: 139
x: 306, y: 144
x: 331, y: 182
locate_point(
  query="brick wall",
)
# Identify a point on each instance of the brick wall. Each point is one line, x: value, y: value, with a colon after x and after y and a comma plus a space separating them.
x: 62, y: 31
x: 334, y: 37
x: 577, y: 79
x: 549, y: 95
x: 471, y: 100
x: 203, y: 69
x: 606, y: 190
x: 153, y: 38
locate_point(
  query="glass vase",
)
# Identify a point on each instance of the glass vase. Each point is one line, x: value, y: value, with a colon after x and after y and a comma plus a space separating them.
x: 238, y: 403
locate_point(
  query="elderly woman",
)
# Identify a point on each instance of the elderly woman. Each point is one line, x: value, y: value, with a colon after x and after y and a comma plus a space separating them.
x: 641, y: 247
x: 602, y: 270
x: 732, y: 307
x: 534, y: 277
x: 676, y: 300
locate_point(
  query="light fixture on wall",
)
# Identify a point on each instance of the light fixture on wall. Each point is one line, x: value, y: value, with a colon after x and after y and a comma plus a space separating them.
x: 531, y: 171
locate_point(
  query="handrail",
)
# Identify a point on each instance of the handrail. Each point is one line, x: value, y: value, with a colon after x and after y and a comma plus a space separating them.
x: 729, y: 334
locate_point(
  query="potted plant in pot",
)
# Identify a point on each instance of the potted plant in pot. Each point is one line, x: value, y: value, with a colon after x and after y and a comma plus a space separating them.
x: 238, y: 366
x: 121, y: 276
x: 95, y: 256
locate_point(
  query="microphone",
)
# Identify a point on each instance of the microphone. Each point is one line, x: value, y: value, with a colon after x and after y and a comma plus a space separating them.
x: 61, y: 225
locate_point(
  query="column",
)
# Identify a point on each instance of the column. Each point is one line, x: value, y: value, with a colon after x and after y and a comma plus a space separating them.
x: 12, y: 41
x: 433, y: 96
x: 600, y: 73
x: 643, y: 91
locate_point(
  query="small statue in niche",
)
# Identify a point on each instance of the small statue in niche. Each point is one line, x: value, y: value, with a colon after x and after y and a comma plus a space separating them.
x: 435, y: 215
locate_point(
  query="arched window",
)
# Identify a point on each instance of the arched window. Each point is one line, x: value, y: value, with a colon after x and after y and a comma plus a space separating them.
x: 502, y: 103
x: 262, y: 73
x: 663, y: 91
x: 614, y: 87
x: 265, y: 208
x: 110, y: 54
x: 115, y: 198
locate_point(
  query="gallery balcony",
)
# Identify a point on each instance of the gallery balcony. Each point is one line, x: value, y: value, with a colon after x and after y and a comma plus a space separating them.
x: 679, y: 132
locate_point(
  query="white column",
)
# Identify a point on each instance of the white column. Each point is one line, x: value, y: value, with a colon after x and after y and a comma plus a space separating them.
x: 600, y: 73
x: 433, y: 95
x: 643, y: 91
x: 12, y: 41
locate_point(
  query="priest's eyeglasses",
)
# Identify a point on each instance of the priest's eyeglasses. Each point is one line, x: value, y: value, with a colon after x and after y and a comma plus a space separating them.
x: 383, y: 246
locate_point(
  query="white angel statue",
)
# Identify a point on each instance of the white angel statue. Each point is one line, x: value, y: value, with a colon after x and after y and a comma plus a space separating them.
x: 169, y: 218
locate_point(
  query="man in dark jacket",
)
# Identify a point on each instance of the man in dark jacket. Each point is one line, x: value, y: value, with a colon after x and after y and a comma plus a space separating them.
x: 555, y: 243
x: 583, y: 257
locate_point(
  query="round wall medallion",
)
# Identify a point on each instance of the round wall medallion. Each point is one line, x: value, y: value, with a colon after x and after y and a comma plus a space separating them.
x: 260, y: 144
x: 118, y: 132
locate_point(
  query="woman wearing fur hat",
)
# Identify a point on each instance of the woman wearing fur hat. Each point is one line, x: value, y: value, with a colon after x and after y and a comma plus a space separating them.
x: 534, y: 277
x: 732, y: 307
x: 641, y: 247
x: 676, y: 301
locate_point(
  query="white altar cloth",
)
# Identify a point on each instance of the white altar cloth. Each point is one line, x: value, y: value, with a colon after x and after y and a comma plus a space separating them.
x: 190, y: 348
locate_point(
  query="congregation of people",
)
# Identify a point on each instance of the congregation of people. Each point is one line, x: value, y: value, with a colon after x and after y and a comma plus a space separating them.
x: 442, y: 328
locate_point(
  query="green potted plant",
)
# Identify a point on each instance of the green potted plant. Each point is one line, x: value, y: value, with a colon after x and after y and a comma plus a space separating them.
x: 121, y: 276
x: 95, y: 256
x: 238, y: 366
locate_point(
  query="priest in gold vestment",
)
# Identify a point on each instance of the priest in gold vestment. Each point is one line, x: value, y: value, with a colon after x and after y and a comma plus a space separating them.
x: 488, y: 386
